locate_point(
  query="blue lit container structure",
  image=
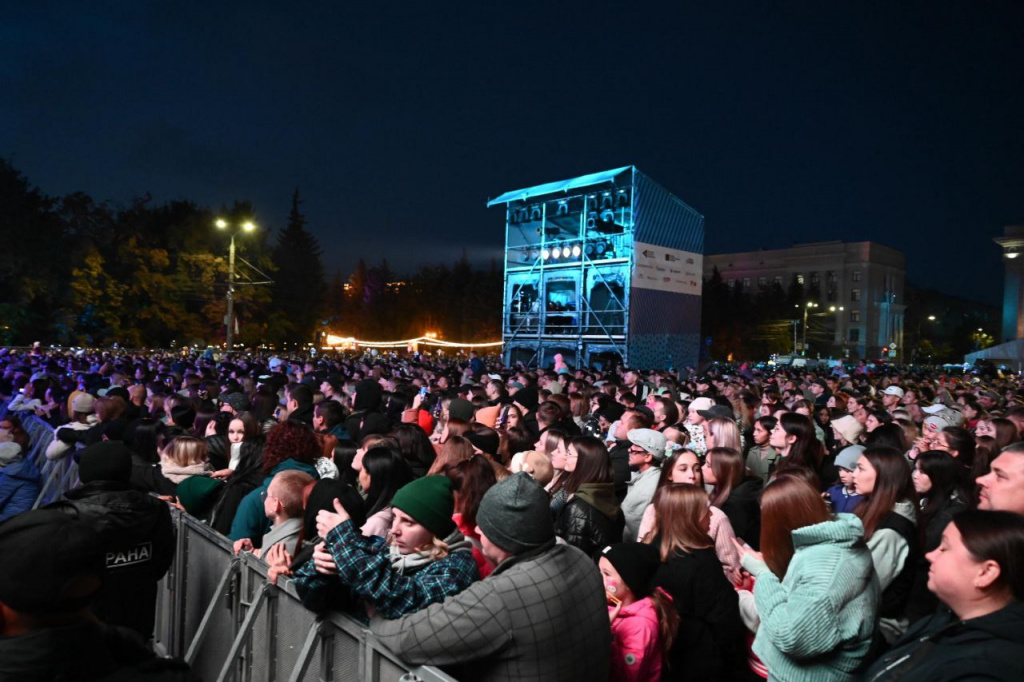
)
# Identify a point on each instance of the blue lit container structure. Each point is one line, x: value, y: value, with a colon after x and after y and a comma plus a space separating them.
x: 603, y: 265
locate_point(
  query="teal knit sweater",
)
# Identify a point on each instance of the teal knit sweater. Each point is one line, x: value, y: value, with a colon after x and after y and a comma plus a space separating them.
x: 816, y: 624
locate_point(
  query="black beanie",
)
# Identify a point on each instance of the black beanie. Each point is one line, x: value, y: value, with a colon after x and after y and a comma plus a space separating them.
x: 636, y: 564
x: 486, y: 441
x: 527, y: 397
x: 516, y: 515
x: 108, y: 460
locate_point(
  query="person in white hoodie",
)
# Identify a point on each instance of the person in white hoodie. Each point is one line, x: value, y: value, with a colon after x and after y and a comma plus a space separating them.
x: 882, y: 475
x: 646, y: 453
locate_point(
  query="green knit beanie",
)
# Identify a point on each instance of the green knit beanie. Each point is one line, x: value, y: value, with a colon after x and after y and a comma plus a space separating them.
x: 429, y: 501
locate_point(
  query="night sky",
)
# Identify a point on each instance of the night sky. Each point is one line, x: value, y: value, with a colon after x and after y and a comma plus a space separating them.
x: 900, y: 122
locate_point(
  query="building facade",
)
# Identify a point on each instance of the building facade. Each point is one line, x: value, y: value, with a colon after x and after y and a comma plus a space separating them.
x: 858, y: 288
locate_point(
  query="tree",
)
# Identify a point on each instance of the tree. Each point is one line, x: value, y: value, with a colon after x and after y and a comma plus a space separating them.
x: 299, y: 285
x: 30, y: 276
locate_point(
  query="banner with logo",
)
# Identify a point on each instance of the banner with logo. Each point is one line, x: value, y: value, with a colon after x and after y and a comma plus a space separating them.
x: 664, y: 269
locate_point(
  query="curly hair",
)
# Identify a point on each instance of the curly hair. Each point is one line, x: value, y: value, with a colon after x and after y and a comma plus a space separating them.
x: 290, y: 440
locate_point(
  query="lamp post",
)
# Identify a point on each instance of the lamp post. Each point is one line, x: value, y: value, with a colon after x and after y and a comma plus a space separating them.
x: 229, y: 319
x: 807, y: 309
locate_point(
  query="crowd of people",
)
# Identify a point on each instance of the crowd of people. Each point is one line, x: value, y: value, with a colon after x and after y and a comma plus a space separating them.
x: 545, y: 524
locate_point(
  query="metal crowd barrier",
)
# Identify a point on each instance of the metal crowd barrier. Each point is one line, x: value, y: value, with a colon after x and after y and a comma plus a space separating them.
x: 218, y: 612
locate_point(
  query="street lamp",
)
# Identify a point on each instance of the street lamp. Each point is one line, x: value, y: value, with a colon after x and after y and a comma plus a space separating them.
x: 229, y: 319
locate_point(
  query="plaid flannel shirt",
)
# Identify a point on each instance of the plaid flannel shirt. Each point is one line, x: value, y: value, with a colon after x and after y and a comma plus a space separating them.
x: 364, y: 564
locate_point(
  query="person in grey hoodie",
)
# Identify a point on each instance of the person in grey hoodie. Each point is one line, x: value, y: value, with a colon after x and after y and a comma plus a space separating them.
x: 646, y: 453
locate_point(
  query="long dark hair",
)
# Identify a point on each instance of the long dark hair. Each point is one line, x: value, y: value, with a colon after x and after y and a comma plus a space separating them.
x: 893, y: 483
x: 592, y: 465
x: 414, y: 444
x: 806, y: 450
x: 146, y: 439
x: 946, y: 476
x: 960, y: 441
x: 388, y: 472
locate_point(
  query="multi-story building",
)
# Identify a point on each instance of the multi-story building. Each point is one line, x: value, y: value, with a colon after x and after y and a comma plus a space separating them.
x: 858, y: 287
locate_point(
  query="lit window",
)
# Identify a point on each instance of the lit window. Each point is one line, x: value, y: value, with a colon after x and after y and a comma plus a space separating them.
x: 855, y: 294
x: 800, y: 279
x: 855, y: 275
x: 854, y: 316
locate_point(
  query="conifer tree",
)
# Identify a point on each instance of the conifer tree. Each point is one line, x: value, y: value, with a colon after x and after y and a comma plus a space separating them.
x: 299, y: 285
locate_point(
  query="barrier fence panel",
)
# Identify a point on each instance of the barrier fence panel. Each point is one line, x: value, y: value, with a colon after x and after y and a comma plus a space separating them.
x: 220, y: 614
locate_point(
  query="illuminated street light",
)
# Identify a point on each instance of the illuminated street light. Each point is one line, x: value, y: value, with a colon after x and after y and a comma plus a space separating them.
x: 247, y: 226
x: 931, y: 318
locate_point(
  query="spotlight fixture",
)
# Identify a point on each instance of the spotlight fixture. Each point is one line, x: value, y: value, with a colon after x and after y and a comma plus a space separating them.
x: 545, y: 254
x: 576, y: 250
x: 556, y: 252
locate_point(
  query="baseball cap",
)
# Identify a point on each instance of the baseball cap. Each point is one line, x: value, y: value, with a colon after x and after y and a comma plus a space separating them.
x: 893, y: 390
x: 650, y: 440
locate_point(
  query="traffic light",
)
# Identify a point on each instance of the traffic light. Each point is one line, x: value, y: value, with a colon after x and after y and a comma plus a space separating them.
x: 885, y: 350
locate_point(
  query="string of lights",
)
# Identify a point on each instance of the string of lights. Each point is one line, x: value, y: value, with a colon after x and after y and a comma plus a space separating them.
x: 426, y: 340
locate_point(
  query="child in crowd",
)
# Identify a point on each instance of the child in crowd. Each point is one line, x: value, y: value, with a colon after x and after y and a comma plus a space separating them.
x: 842, y: 495
x: 643, y: 620
x: 283, y: 505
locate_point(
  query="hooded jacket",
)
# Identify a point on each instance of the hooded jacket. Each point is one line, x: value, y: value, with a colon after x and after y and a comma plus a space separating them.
x: 138, y: 538
x: 591, y: 520
x: 816, y: 623
x: 20, y: 484
x: 944, y: 648
x: 636, y: 643
x: 641, y: 492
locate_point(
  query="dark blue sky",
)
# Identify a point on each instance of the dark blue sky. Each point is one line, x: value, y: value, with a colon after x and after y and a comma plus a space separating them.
x: 899, y: 122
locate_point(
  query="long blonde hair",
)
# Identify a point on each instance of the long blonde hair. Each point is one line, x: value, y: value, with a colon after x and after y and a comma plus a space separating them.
x: 725, y: 432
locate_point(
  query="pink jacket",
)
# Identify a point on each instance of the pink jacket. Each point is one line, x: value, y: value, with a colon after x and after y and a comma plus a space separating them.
x: 721, y: 532
x: 636, y: 643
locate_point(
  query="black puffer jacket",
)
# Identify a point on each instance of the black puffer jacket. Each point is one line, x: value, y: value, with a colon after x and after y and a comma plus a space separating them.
x: 138, y: 538
x: 591, y: 520
x: 218, y: 449
x: 247, y: 477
